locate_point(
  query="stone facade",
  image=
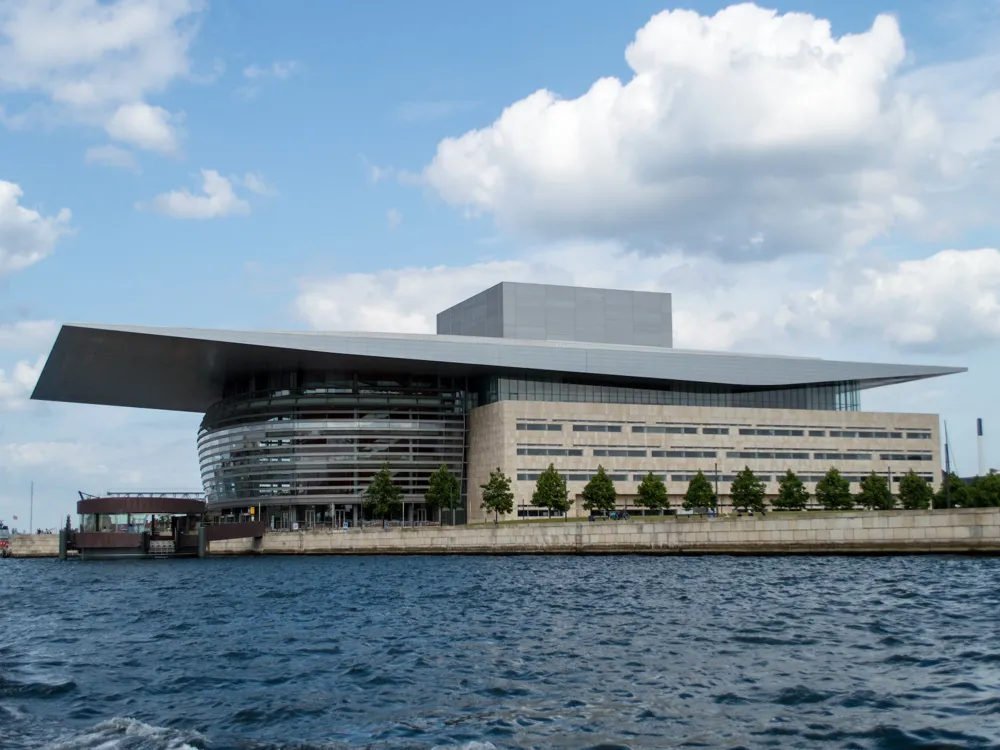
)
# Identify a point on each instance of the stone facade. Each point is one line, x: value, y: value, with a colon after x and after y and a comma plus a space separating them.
x: 969, y: 530
x: 524, y: 437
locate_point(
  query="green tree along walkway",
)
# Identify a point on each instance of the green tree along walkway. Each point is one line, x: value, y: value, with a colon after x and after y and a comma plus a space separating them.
x: 834, y: 492
x: 699, y: 495
x: 443, y: 492
x: 550, y: 492
x: 599, y: 495
x: 748, y: 492
x: 792, y: 494
x: 497, y: 495
x: 652, y: 493
x: 383, y: 496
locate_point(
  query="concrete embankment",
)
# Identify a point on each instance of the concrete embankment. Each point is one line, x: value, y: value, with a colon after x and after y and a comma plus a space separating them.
x: 34, y: 545
x: 962, y: 531
x: 968, y: 531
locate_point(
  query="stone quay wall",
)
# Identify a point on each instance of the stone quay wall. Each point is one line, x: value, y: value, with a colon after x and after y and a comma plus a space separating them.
x: 962, y: 531
x: 34, y: 545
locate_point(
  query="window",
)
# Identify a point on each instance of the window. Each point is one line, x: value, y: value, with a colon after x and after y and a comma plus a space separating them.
x: 549, y: 452
x: 817, y: 433
x: 597, y: 428
x: 918, y: 436
x: 769, y: 432
x: 843, y: 456
x: 906, y: 457
x: 539, y: 427
x: 664, y: 430
x: 619, y: 453
x: 714, y: 430
x: 766, y: 454
x: 683, y: 454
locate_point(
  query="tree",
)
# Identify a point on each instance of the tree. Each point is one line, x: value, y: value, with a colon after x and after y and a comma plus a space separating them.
x: 834, y: 492
x: 550, y: 492
x: 915, y: 493
x: 954, y: 493
x: 875, y: 493
x: 599, y: 494
x: 747, y: 491
x: 699, y: 495
x: 985, y: 491
x: 497, y: 496
x: 443, y: 491
x: 792, y: 494
x: 383, y: 496
x: 652, y: 493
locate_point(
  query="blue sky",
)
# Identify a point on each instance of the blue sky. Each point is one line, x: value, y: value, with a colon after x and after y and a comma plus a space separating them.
x: 367, y: 176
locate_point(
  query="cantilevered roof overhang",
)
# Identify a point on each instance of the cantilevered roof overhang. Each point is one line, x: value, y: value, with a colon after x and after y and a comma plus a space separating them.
x: 184, y: 369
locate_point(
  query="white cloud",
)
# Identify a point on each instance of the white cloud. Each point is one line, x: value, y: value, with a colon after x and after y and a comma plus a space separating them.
x: 31, y: 335
x: 949, y: 301
x: 255, y: 183
x: 144, y: 126
x: 15, y: 388
x: 747, y: 134
x: 218, y: 200
x: 393, y: 218
x: 26, y: 235
x: 111, y: 156
x: 277, y: 69
x: 87, y: 58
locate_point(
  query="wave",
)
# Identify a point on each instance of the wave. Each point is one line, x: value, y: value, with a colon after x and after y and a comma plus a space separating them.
x: 123, y: 733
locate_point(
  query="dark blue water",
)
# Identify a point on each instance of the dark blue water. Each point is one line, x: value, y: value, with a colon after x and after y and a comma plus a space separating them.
x: 473, y: 652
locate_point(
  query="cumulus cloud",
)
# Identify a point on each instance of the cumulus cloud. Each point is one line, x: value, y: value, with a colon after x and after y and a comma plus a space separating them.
x: 30, y: 335
x: 407, y: 300
x: 111, y: 156
x: 949, y: 301
x: 26, y: 235
x: 87, y: 58
x: 218, y: 200
x: 16, y: 386
x: 142, y: 125
x: 747, y: 134
x: 255, y: 183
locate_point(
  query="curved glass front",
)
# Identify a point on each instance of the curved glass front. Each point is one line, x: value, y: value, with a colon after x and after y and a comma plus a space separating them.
x: 323, y: 445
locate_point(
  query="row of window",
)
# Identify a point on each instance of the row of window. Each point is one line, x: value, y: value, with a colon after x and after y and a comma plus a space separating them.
x: 759, y: 431
x: 785, y: 455
x: 531, y: 476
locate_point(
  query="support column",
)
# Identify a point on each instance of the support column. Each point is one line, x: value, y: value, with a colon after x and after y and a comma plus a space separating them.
x: 202, y: 541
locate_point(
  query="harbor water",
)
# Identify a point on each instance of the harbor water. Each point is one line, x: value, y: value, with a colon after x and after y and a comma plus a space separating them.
x: 481, y: 652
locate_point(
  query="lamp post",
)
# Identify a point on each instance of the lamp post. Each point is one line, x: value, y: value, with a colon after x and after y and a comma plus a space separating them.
x: 716, y: 488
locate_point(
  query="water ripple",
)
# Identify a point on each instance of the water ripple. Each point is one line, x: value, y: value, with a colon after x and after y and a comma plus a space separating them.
x: 489, y: 653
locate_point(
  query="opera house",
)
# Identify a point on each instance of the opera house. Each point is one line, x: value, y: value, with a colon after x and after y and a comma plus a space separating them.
x: 517, y: 377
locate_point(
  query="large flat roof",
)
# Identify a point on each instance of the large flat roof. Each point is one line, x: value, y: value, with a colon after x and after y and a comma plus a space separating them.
x: 184, y: 369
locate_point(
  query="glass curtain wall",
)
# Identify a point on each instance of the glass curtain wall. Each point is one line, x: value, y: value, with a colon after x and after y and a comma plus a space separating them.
x: 319, y: 438
x: 827, y: 397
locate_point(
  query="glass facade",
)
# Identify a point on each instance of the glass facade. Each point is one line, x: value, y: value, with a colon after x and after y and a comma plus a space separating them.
x: 826, y: 397
x: 320, y: 438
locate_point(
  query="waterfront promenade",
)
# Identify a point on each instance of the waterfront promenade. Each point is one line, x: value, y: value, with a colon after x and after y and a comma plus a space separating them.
x: 963, y: 531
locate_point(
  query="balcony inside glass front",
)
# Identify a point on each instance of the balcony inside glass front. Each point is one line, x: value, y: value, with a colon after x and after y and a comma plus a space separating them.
x: 827, y: 397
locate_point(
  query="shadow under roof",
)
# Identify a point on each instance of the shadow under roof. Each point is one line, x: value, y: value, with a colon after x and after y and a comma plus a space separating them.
x: 184, y: 369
